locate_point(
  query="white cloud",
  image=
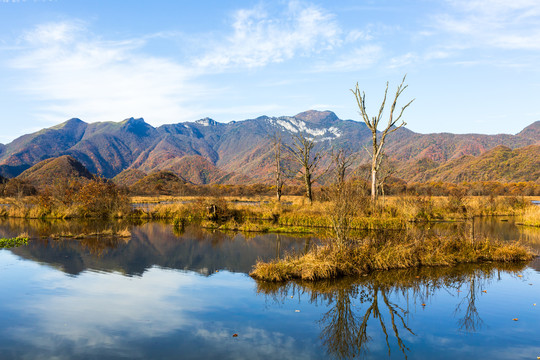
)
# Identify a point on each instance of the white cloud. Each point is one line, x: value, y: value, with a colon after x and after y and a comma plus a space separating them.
x: 55, y: 33
x: 259, y: 39
x: 74, y: 73
x: 358, y: 59
x: 403, y: 60
x: 493, y: 23
x: 65, y: 70
x: 356, y: 35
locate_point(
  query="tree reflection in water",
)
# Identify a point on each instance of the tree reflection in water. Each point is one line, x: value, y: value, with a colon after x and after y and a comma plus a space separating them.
x: 344, y: 330
x: 354, y: 302
x: 471, y: 321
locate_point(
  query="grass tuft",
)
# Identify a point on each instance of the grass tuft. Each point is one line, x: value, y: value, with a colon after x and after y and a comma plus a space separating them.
x: 327, y: 262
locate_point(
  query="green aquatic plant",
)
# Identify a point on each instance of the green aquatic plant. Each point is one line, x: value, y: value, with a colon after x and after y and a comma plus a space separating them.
x: 13, y: 242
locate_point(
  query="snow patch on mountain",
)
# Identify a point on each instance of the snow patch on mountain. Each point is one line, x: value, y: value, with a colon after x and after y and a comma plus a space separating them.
x: 287, y: 126
x: 293, y: 125
x: 206, y: 122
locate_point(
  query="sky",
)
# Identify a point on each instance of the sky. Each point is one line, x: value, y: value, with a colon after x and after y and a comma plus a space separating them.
x: 471, y: 65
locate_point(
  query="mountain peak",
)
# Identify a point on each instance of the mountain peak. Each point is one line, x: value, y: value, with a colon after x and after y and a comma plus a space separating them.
x: 133, y: 121
x: 317, y: 117
x: 532, y: 131
x: 71, y: 123
x: 137, y: 126
x: 206, y: 122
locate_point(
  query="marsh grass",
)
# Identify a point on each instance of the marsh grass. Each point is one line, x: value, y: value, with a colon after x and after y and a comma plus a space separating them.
x: 327, y: 262
x: 416, y: 278
x: 531, y: 216
x: 105, y: 233
x: 264, y: 214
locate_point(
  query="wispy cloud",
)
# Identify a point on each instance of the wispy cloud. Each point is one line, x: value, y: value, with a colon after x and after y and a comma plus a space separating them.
x: 68, y: 70
x: 403, y: 60
x: 493, y: 23
x: 259, y: 39
x: 75, y: 73
x: 357, y: 59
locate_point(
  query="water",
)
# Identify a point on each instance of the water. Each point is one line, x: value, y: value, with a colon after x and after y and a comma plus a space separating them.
x: 163, y: 294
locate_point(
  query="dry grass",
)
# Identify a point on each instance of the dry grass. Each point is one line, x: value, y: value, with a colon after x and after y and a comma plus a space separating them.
x: 295, y: 200
x: 417, y: 278
x: 107, y: 233
x: 531, y: 216
x: 394, y: 213
x: 327, y: 262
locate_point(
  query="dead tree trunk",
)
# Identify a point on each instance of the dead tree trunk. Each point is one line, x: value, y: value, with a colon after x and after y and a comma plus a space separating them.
x: 278, y: 172
x: 342, y: 161
x: 301, y: 150
x: 379, y: 138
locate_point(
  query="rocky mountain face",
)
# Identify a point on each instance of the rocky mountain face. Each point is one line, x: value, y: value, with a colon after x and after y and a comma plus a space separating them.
x: 206, y: 151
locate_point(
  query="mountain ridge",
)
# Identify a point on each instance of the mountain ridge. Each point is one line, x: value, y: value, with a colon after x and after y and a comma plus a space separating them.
x: 238, y: 150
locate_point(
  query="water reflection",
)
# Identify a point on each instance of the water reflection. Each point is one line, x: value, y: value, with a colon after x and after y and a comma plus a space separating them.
x: 142, y: 303
x: 132, y: 248
x: 385, y: 301
x: 152, y: 244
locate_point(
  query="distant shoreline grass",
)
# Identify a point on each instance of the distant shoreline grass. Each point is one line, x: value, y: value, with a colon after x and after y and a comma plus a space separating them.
x: 329, y: 262
x: 293, y: 214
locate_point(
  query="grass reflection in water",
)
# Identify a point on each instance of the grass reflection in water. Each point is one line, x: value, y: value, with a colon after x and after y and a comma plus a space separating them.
x: 353, y: 302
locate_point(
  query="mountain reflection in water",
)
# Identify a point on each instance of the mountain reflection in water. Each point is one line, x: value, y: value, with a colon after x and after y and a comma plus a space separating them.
x: 150, y: 244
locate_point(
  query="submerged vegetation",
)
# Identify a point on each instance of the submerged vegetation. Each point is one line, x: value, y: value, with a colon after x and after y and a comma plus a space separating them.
x: 13, y: 242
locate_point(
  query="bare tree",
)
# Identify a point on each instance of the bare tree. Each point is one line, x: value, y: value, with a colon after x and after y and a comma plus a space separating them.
x: 342, y: 160
x: 302, y: 152
x: 379, y: 139
x: 343, y: 202
x: 277, y: 146
x: 386, y: 170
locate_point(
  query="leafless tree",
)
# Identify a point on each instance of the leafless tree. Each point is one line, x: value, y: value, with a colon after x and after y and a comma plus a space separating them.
x: 343, y: 203
x: 379, y: 138
x: 308, y: 160
x: 277, y: 145
x: 342, y: 160
x: 386, y: 170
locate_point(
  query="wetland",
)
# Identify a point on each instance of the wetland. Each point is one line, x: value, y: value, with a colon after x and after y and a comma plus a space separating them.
x: 151, y: 290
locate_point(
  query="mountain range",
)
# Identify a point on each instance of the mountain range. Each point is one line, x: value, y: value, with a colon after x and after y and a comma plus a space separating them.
x: 240, y: 152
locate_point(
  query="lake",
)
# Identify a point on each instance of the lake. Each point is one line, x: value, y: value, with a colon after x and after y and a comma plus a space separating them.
x: 162, y: 293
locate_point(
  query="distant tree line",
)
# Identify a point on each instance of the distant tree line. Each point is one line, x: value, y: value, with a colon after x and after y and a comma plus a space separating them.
x: 14, y: 188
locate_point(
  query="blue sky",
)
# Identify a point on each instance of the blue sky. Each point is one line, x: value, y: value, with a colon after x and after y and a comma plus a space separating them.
x: 472, y: 66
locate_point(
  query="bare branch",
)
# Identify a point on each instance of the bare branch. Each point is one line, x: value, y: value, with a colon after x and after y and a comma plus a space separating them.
x: 301, y: 150
x: 378, y: 141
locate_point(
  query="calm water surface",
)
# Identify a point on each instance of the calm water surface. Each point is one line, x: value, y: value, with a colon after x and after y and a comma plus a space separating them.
x: 165, y: 294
